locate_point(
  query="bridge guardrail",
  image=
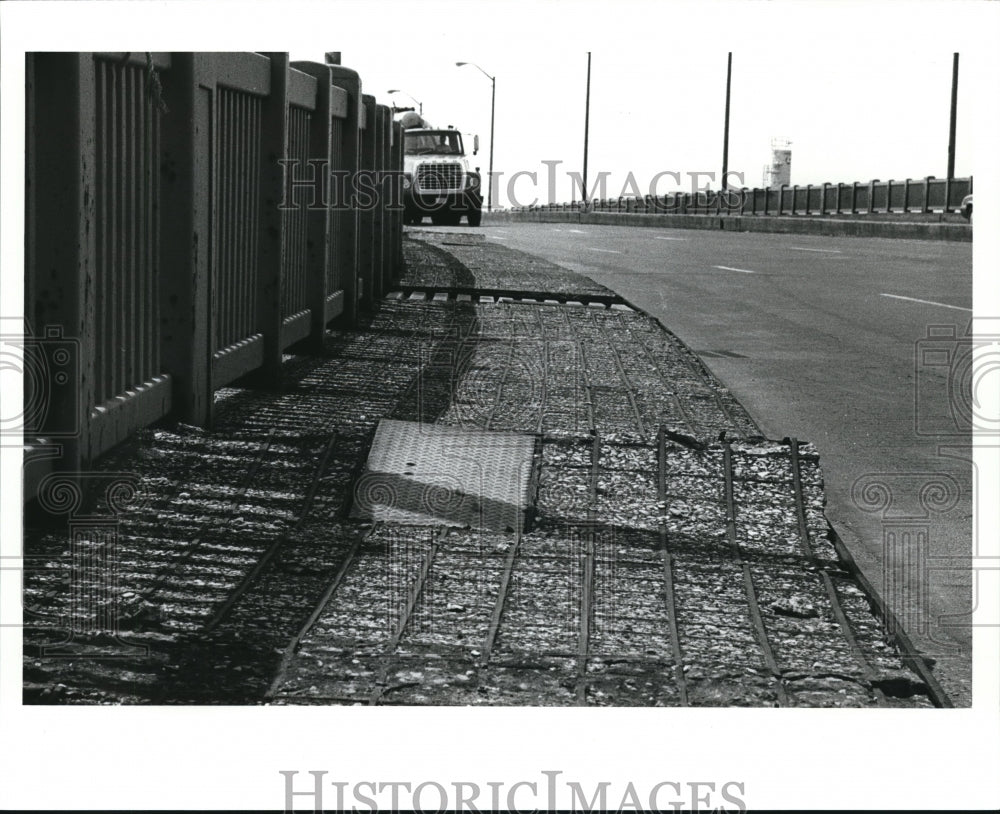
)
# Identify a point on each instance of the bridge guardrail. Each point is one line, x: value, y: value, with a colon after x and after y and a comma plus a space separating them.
x: 916, y: 196
x: 163, y: 253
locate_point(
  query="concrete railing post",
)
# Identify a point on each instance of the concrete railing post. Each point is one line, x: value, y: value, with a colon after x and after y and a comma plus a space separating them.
x: 185, y: 177
x: 319, y: 224
x: 61, y: 312
x: 274, y: 145
x: 366, y: 226
x: 377, y: 220
x: 347, y: 220
x: 396, y: 169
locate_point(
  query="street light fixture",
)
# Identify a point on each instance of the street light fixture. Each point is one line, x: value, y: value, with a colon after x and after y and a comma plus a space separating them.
x: 420, y: 104
x: 493, y: 107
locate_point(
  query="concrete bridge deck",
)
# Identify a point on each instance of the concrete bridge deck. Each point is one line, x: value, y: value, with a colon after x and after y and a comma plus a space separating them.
x: 656, y: 551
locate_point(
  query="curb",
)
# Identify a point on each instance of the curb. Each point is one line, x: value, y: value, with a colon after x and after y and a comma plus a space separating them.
x: 831, y: 227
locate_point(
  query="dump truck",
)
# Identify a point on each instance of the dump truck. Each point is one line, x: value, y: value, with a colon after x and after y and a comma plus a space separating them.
x: 437, y: 179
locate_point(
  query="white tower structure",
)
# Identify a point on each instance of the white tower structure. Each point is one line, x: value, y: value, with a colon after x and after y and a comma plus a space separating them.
x: 779, y: 171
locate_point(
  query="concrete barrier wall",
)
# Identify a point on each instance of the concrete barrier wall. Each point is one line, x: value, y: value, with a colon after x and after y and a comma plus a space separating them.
x: 920, y: 196
x: 180, y: 232
x: 846, y: 227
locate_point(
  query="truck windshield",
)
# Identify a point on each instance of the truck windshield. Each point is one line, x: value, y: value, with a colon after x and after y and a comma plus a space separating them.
x: 436, y: 141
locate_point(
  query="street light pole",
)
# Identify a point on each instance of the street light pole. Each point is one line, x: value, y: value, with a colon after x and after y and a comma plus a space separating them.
x: 493, y: 108
x: 954, y: 117
x: 419, y: 103
x: 725, y: 133
x: 586, y: 133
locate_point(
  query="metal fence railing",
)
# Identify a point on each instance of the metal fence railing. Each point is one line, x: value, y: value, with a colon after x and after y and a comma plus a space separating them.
x: 237, y: 197
x: 295, y: 283
x: 174, y: 240
x: 909, y: 196
x: 126, y: 297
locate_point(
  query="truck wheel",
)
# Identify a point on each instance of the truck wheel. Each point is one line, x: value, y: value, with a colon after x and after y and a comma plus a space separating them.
x: 439, y: 218
x: 475, y: 217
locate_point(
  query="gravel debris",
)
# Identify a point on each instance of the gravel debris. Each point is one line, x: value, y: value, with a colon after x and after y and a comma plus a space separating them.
x: 630, y: 587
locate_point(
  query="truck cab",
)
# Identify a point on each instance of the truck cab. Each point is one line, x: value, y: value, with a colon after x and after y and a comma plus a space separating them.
x: 437, y: 180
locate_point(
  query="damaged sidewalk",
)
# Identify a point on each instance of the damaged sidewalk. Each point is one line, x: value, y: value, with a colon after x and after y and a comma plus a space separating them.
x: 506, y: 487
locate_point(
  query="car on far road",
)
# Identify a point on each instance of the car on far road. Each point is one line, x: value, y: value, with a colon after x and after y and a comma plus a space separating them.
x: 967, y: 208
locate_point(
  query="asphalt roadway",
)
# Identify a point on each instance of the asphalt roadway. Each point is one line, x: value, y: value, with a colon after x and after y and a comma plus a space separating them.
x: 851, y: 343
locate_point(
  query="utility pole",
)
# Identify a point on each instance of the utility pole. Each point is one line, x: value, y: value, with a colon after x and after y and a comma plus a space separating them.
x: 586, y: 132
x: 493, y: 111
x: 954, y: 114
x: 725, y: 133
x: 493, y: 118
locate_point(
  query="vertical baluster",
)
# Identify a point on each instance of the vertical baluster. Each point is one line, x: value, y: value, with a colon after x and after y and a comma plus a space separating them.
x: 227, y: 302
x: 300, y: 236
x: 297, y: 237
x: 114, y: 204
x: 336, y: 227
x: 293, y: 237
x: 290, y: 270
x: 143, y: 316
x: 217, y: 308
x: 128, y: 227
x: 128, y: 224
x: 100, y: 292
x: 229, y: 178
x: 239, y: 215
x: 242, y: 216
x: 135, y: 316
x: 149, y: 335
x: 220, y: 226
x: 237, y: 219
x: 302, y: 213
x: 142, y: 313
x: 254, y: 222
x: 155, y: 327
x: 248, y: 217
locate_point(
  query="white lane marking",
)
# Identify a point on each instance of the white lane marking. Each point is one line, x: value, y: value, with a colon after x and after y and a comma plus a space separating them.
x: 670, y: 238
x: 606, y: 251
x: 496, y: 237
x: 805, y: 249
x: 730, y: 268
x: 927, y: 302
x: 576, y: 231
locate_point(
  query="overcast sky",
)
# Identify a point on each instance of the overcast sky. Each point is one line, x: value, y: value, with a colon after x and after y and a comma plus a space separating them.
x: 861, y: 90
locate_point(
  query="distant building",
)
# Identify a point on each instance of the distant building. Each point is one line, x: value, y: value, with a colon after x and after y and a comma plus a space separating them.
x: 779, y: 171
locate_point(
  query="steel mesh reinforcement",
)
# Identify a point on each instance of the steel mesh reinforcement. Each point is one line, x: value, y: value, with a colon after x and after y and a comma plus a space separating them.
x: 669, y: 555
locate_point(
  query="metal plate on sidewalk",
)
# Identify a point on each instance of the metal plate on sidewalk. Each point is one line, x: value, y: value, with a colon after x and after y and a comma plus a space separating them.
x: 428, y: 474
